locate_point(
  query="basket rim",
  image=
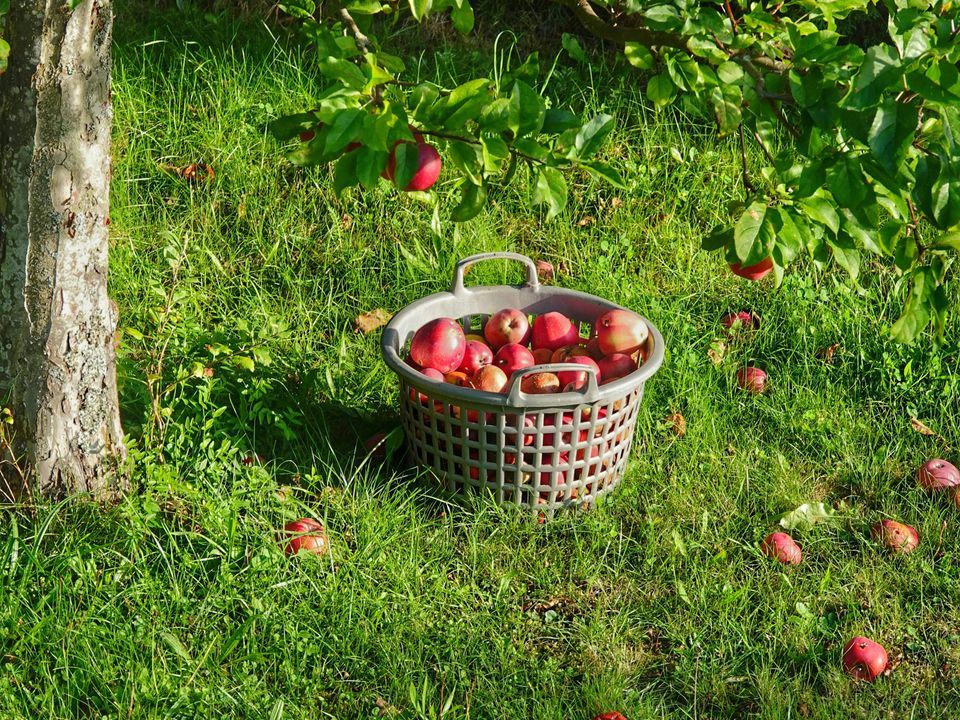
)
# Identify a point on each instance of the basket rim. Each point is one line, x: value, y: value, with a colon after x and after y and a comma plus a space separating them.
x: 390, y: 345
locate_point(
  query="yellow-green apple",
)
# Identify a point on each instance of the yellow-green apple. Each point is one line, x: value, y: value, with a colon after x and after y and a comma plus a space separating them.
x: 513, y: 357
x: 489, y: 378
x: 752, y: 379
x: 475, y: 338
x: 782, y: 548
x: 897, y: 537
x: 439, y: 344
x: 505, y: 327
x: 542, y: 383
x: 864, y: 659
x: 615, y: 366
x: 753, y: 272
x: 307, y: 535
x: 457, y: 378
x: 553, y: 330
x: 475, y: 356
x: 938, y: 474
x: 621, y: 331
x: 578, y: 378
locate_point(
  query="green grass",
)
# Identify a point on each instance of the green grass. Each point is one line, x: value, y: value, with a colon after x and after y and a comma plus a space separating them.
x: 178, y: 602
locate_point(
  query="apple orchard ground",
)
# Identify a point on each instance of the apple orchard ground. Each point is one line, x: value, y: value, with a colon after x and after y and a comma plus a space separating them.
x: 179, y: 603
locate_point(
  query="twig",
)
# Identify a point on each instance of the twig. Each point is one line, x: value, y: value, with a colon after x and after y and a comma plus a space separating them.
x: 363, y: 42
x: 756, y: 136
x: 471, y: 141
x: 743, y: 160
x: 733, y: 20
x: 618, y: 33
x: 914, y: 228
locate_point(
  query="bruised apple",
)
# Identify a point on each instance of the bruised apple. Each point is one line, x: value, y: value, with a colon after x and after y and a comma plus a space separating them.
x: 896, y: 537
x: 542, y: 356
x: 542, y: 383
x: 938, y: 474
x: 489, y: 378
x: 440, y: 344
x: 752, y: 379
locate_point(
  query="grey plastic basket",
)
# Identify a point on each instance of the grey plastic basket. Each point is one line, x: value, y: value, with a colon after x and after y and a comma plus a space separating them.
x: 540, y: 451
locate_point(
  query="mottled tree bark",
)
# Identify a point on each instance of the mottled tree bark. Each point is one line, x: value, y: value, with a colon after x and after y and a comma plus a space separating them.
x: 57, y: 358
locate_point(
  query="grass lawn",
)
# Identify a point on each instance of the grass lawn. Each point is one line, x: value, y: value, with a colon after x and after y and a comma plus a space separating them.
x: 247, y: 395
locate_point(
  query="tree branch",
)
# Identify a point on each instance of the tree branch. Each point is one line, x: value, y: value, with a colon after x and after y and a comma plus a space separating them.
x: 915, y: 228
x: 748, y: 186
x: 621, y: 33
x: 363, y: 42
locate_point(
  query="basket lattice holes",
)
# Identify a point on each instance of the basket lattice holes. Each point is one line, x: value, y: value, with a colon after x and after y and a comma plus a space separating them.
x: 546, y: 456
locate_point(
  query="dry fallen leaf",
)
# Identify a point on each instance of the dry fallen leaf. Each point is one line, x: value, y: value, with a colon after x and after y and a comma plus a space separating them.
x: 346, y: 221
x: 717, y: 351
x: 826, y: 354
x: 615, y: 203
x: 194, y: 172
x: 367, y: 322
x: 921, y: 428
x: 544, y: 270
x: 677, y: 423
x: 586, y: 221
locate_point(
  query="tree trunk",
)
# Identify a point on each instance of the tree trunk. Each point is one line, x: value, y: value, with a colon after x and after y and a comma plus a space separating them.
x: 57, y: 325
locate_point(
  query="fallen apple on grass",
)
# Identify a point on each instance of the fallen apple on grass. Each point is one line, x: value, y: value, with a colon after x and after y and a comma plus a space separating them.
x: 938, y: 474
x: 896, y: 537
x: 741, y: 319
x: 440, y: 344
x: 308, y: 536
x: 752, y: 379
x: 782, y: 548
x: 621, y: 331
x: 864, y: 659
x: 611, y: 716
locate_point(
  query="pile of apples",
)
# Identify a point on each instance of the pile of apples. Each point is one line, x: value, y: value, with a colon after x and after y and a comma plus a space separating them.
x: 510, y: 343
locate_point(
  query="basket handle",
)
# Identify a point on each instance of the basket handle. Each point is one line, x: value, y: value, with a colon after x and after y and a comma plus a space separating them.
x: 516, y: 396
x: 458, y: 288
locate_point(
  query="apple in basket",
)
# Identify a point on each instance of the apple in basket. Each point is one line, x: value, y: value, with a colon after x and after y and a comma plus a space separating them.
x: 475, y: 356
x: 505, y: 327
x: 553, y: 331
x: 621, y: 331
x: 440, y: 344
x: 513, y: 357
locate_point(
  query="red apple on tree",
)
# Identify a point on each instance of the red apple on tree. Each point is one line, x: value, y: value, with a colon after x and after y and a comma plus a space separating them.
x: 513, y: 357
x: 505, y: 327
x: 753, y: 272
x: 938, y: 474
x: 428, y: 165
x: 864, y: 659
x: 553, y: 330
x: 308, y: 536
x: 475, y: 356
x: 439, y: 344
x: 621, y: 331
x: 782, y: 548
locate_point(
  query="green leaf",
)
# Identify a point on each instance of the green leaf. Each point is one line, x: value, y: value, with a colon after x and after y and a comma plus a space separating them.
x: 638, y: 55
x: 550, y: 189
x: 345, y: 128
x: 683, y: 70
x: 726, y: 107
x: 289, y: 126
x: 822, y: 210
x: 729, y: 72
x: 243, y: 362
x: 846, y: 255
x: 661, y: 90
x: 948, y: 240
x: 591, y: 135
x: 572, y: 46
x: 916, y: 311
x: 364, y: 7
x: 721, y: 236
x: 461, y: 15
x: 880, y: 70
x: 527, y: 110
x: 557, y: 120
x: 746, y: 230
x: 343, y: 71
x: 846, y: 182
x: 419, y: 8
x: 370, y: 163
x: 495, y: 153
x: 472, y: 200
x: 345, y: 173
x: 702, y: 47
x: 787, y: 232
x: 663, y: 17
x: 496, y: 116
x: 604, y: 172
x: 469, y: 159
x: 406, y: 163
x: 806, y: 516
x: 891, y: 133
x: 466, y: 102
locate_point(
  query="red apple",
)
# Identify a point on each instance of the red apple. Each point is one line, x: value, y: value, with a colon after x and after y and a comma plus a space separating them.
x: 897, y: 537
x: 541, y: 356
x: 544, y: 270
x: 553, y: 330
x: 428, y: 165
x: 753, y: 272
x: 593, y: 349
x: 752, y: 379
x: 615, y: 366
x: 439, y: 344
x: 433, y: 375
x: 621, y: 331
x: 475, y: 356
x: 490, y: 378
x: 307, y: 135
x: 308, y: 536
x: 376, y: 448
x: 864, y: 659
x: 611, y: 716
x: 938, y: 474
x: 782, y: 548
x: 578, y: 377
x: 513, y: 357
x: 505, y: 327
x: 745, y: 319
x: 542, y: 383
